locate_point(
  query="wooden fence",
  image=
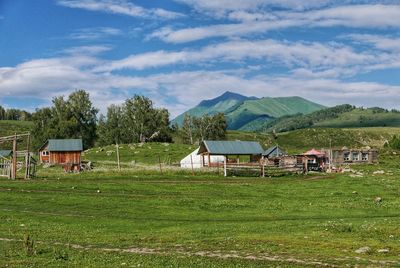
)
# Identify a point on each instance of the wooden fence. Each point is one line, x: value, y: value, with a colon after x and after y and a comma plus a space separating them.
x: 261, y: 169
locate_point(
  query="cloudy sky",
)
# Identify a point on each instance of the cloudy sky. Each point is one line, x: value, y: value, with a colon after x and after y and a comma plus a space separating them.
x: 178, y: 52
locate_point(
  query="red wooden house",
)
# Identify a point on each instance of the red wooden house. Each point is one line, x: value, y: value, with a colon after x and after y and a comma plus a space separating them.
x: 62, y: 151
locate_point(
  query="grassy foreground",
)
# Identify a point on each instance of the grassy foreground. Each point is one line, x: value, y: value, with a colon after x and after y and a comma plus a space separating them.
x: 144, y: 219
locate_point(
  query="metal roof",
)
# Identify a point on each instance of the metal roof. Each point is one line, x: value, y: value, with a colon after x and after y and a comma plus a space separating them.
x: 231, y: 148
x: 65, y: 145
x: 274, y: 151
x: 5, y: 153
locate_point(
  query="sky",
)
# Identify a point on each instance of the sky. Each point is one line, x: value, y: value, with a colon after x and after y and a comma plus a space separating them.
x: 179, y: 52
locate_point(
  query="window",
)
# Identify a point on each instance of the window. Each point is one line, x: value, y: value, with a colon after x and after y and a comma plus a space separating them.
x: 346, y: 157
x: 356, y: 156
x: 364, y: 156
x: 45, y: 153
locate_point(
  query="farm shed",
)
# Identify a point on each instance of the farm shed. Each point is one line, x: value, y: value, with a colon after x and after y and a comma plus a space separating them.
x: 315, y: 160
x: 278, y: 157
x: 5, y: 153
x: 273, y: 152
x: 230, y: 149
x: 354, y: 156
x: 63, y: 151
x: 197, y: 160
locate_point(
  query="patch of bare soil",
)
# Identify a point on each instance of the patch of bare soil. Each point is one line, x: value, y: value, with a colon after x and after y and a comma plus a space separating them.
x: 219, y: 254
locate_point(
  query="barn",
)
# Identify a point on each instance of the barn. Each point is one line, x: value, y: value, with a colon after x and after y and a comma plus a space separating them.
x: 61, y: 151
x: 232, y: 150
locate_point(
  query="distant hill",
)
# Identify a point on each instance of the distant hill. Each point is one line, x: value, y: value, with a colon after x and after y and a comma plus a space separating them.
x: 10, y: 127
x: 247, y: 113
x: 341, y: 116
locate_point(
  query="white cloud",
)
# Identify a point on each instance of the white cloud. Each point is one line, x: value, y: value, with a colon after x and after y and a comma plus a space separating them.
x: 123, y: 7
x: 304, y: 54
x: 46, y: 78
x: 352, y: 16
x: 94, y: 33
x: 86, y: 50
x: 378, y: 41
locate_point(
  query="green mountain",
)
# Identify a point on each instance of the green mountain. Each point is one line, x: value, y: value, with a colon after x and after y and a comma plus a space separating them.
x: 341, y: 116
x: 222, y: 104
x: 247, y: 113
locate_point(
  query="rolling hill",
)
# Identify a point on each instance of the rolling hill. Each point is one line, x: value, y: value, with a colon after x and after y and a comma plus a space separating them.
x: 341, y: 116
x: 246, y: 113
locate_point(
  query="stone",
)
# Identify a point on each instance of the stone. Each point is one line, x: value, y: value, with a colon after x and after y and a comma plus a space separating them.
x: 363, y: 250
x: 379, y: 172
x: 378, y: 199
x: 383, y: 250
x: 354, y: 192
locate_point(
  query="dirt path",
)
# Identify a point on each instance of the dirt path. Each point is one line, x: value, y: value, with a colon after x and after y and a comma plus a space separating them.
x: 216, y: 254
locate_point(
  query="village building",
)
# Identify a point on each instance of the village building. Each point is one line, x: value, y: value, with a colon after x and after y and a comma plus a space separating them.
x: 5, y: 153
x: 233, y: 151
x: 62, y: 152
x: 345, y: 156
x: 315, y: 160
x: 276, y: 156
x: 194, y: 160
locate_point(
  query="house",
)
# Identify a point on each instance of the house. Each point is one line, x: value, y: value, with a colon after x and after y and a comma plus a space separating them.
x: 5, y: 153
x: 232, y: 150
x: 315, y: 160
x: 62, y: 151
x: 196, y: 161
x: 274, y: 152
x: 276, y: 156
x: 354, y: 156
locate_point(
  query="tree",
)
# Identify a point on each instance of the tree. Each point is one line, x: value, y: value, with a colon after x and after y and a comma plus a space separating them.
x: 142, y: 122
x: 71, y: 118
x: 210, y: 127
x: 110, y: 128
x: 187, y: 131
x: 2, y: 113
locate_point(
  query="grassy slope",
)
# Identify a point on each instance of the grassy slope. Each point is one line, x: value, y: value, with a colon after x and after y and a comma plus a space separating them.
x: 273, y: 107
x: 311, y: 219
x: 295, y: 142
x: 363, y: 118
x: 198, y: 111
x: 355, y: 118
x: 8, y: 127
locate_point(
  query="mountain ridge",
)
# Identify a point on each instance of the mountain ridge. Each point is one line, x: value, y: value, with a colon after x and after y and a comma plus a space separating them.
x: 240, y: 110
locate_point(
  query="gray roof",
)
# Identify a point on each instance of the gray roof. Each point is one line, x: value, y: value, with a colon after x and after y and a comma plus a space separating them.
x: 5, y: 153
x: 274, y: 151
x: 65, y: 145
x: 231, y: 147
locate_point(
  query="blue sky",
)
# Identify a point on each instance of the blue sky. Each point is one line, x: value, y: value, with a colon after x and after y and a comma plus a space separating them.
x: 179, y: 52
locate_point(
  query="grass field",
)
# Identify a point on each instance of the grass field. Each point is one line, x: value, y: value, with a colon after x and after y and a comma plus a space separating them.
x: 144, y: 219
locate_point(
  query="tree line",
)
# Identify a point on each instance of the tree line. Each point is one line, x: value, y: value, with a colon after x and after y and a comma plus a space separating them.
x: 14, y: 114
x: 136, y: 120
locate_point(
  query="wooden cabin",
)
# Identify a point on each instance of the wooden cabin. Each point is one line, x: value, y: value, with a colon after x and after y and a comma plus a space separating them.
x: 62, y: 152
x: 315, y: 160
x: 232, y: 150
x: 345, y: 156
x: 276, y: 156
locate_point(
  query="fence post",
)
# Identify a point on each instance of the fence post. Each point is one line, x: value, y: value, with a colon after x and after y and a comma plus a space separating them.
x: 118, y: 161
x: 159, y: 162
x: 225, y: 173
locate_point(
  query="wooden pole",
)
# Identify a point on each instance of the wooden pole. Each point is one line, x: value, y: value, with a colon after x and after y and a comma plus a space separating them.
x: 225, y: 173
x: 14, y: 160
x: 27, y: 160
x: 159, y: 162
x: 191, y: 162
x: 118, y: 161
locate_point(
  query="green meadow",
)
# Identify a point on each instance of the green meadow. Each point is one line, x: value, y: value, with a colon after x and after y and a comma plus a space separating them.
x: 142, y: 216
